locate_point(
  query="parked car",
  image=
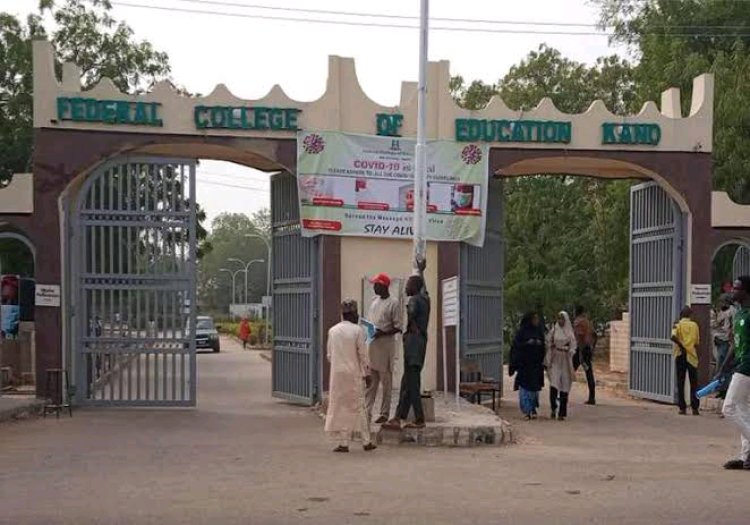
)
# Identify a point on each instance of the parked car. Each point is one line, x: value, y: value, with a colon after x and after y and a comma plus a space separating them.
x: 206, y: 334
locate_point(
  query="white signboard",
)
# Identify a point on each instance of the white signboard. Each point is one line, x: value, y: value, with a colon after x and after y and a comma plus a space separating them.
x: 450, y: 318
x: 47, y: 295
x: 267, y: 301
x: 700, y: 294
x: 450, y: 301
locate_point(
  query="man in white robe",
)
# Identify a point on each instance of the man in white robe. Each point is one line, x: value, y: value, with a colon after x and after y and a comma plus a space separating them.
x: 350, y: 369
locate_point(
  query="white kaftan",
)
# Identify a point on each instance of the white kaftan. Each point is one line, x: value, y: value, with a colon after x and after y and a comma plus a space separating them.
x: 347, y: 353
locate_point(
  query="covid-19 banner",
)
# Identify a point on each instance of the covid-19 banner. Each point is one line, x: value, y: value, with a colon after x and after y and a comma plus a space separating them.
x: 363, y: 186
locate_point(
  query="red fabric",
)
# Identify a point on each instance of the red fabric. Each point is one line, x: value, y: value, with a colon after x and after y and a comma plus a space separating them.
x: 245, y: 330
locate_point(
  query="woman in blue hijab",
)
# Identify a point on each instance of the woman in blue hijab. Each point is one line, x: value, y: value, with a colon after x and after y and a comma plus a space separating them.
x: 527, y: 363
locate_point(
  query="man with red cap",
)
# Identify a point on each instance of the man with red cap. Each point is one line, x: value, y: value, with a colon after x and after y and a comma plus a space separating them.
x: 385, y: 314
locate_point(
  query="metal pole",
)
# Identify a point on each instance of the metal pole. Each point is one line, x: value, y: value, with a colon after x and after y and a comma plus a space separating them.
x: 268, y: 281
x: 268, y: 291
x: 245, y: 265
x: 445, y: 365
x: 246, y: 272
x: 268, y: 294
x: 234, y: 286
x: 420, y: 176
x: 231, y: 274
x: 247, y: 268
x: 458, y: 360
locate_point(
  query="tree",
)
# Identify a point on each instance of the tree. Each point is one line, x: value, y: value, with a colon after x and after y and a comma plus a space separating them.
x: 16, y: 258
x: 474, y: 96
x: 677, y: 41
x: 85, y: 33
x: 89, y: 36
x: 566, y: 237
x: 262, y: 222
x: 572, y: 86
x: 229, y: 240
x: 16, y: 81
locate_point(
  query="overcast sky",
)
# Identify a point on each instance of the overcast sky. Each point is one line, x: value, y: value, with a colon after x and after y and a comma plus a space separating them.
x: 250, y: 54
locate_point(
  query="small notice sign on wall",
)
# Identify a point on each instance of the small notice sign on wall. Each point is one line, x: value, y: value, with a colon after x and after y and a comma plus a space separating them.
x: 450, y: 301
x: 700, y: 294
x: 47, y: 295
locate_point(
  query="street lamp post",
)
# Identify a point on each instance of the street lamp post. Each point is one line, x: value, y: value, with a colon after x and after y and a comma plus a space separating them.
x: 234, y: 285
x: 268, y: 278
x: 246, y: 268
x: 420, y: 178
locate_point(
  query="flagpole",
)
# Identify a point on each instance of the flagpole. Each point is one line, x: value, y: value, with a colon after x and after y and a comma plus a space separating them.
x: 420, y: 176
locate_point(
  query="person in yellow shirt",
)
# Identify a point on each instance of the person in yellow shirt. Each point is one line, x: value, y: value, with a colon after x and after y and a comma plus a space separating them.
x: 686, y: 337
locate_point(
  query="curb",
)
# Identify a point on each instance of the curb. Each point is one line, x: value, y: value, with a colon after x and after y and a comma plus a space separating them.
x: 31, y: 410
x: 440, y: 435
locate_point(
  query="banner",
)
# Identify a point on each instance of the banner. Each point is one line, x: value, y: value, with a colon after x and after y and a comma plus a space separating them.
x: 363, y: 186
x: 10, y: 309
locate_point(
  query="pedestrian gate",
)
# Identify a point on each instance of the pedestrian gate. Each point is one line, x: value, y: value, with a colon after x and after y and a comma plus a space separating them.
x: 295, y: 363
x: 481, y: 285
x: 656, y: 289
x: 133, y: 249
x: 741, y: 262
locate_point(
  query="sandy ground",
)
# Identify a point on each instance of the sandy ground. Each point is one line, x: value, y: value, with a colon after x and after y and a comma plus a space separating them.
x: 243, y: 457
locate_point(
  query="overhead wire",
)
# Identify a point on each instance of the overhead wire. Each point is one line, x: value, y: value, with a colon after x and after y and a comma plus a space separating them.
x: 376, y: 15
x: 237, y: 186
x: 225, y: 3
x: 256, y: 175
x: 414, y: 27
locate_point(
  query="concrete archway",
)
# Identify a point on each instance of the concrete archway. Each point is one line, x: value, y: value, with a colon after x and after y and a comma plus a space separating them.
x: 686, y: 177
x: 77, y: 130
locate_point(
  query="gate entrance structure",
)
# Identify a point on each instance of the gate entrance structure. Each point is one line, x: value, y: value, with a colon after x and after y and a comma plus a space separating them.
x: 741, y: 262
x: 107, y: 249
x: 482, y: 293
x: 657, y: 292
x: 133, y: 246
x: 295, y: 365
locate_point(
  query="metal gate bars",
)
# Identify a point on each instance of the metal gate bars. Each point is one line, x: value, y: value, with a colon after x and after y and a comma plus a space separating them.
x: 295, y: 364
x: 741, y: 262
x: 481, y: 283
x: 656, y: 289
x: 134, y: 264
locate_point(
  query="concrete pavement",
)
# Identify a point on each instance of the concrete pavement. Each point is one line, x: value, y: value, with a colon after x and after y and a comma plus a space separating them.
x: 242, y: 457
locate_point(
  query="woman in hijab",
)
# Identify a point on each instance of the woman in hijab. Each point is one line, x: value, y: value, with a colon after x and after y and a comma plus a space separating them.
x: 561, y: 346
x: 527, y: 363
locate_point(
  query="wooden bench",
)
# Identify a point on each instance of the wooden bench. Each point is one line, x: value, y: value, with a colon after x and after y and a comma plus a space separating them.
x: 473, y: 386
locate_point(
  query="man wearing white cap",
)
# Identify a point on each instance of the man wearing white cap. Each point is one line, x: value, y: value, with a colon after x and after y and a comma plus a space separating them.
x: 385, y: 314
x: 350, y: 369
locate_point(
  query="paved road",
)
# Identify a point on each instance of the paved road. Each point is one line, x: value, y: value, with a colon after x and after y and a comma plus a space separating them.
x: 241, y: 457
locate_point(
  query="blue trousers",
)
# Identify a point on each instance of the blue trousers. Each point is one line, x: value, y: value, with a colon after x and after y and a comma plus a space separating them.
x: 528, y: 400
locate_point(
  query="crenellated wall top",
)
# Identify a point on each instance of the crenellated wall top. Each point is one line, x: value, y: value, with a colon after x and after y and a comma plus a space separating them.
x: 345, y: 107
